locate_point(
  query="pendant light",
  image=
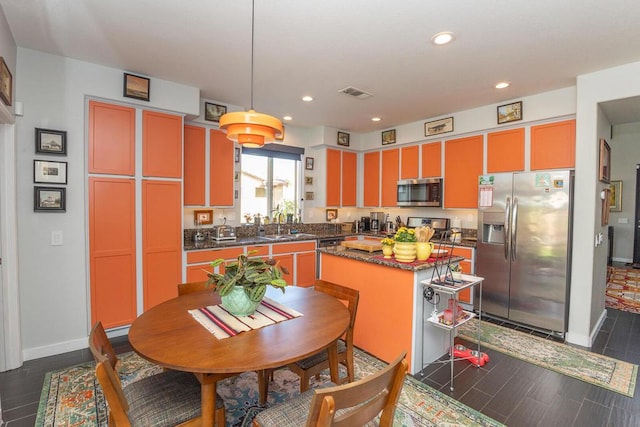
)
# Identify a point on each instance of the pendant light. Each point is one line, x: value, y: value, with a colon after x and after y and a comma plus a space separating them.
x: 250, y: 128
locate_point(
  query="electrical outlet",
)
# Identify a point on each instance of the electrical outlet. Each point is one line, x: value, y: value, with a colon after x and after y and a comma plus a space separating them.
x: 56, y: 238
x: 623, y: 220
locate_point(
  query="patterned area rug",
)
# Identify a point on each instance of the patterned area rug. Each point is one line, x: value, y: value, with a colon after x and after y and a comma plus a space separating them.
x: 593, y: 368
x: 623, y: 289
x: 72, y: 396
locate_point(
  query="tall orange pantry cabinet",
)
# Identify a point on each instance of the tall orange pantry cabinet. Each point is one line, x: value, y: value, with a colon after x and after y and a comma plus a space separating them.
x: 114, y: 180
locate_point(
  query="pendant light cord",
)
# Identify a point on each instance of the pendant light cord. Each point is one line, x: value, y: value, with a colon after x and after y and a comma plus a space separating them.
x: 253, y: 18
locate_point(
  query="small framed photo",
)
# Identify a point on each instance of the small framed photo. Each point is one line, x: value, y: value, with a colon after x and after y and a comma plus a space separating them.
x: 343, y: 139
x: 237, y: 156
x: 510, y: 112
x: 203, y: 217
x: 438, y: 126
x: 604, y: 174
x: 308, y: 180
x: 6, y: 82
x: 236, y: 176
x: 235, y: 194
x: 332, y: 214
x: 389, y: 137
x: 50, y: 141
x: 136, y: 87
x: 615, y: 196
x: 309, y: 163
x: 46, y: 172
x: 308, y: 195
x: 213, y: 112
x: 49, y: 199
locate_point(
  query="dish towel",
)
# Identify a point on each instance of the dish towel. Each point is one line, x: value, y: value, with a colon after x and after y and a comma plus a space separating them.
x: 223, y: 324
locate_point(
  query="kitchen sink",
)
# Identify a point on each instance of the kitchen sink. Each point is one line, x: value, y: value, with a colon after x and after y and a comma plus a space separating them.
x: 288, y: 236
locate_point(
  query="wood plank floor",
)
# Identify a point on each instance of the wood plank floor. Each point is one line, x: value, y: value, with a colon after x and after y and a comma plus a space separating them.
x: 511, y: 391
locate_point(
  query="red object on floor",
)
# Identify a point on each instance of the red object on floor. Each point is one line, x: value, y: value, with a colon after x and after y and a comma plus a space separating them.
x: 462, y: 352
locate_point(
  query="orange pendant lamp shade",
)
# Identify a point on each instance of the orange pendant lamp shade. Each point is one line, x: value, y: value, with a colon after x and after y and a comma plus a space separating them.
x: 251, y: 129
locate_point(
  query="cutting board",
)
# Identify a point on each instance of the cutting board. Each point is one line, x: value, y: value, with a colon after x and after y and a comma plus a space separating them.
x: 363, y: 245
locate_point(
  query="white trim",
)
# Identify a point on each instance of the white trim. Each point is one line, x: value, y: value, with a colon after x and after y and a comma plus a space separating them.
x: 587, y: 341
x: 54, y: 349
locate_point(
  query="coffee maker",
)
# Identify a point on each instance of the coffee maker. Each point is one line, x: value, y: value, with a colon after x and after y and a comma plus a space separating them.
x: 365, y: 223
x: 377, y: 220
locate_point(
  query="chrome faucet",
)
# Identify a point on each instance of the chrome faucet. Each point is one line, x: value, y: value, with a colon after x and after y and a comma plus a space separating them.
x: 279, y: 216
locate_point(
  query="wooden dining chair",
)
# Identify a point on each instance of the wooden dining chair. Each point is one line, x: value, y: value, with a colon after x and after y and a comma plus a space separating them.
x: 148, y: 395
x: 353, y: 404
x: 187, y: 288
x: 317, y: 363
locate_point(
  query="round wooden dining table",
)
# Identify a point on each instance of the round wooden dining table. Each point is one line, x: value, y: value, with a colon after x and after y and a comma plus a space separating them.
x: 170, y: 337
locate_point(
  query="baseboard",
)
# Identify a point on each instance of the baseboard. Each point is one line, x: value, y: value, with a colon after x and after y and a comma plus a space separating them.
x: 57, y: 348
x: 622, y: 260
x: 587, y: 340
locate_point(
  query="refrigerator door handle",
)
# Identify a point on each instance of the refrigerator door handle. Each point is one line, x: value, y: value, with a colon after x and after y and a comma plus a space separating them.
x: 507, y: 228
x: 514, y: 229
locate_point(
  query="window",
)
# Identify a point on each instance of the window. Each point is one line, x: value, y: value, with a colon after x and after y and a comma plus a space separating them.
x: 269, y: 185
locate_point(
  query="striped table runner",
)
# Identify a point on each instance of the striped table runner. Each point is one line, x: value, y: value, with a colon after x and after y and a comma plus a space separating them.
x: 223, y: 324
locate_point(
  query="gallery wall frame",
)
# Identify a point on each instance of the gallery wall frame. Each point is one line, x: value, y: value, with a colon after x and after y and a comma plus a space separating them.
x: 203, y: 216
x: 343, y: 139
x: 510, y: 112
x: 604, y: 168
x: 615, y: 196
x: 48, y: 172
x: 308, y: 165
x: 6, y: 83
x: 308, y: 195
x: 332, y: 214
x: 49, y: 141
x: 49, y: 199
x: 213, y: 112
x: 438, y: 126
x: 389, y: 137
x: 136, y: 87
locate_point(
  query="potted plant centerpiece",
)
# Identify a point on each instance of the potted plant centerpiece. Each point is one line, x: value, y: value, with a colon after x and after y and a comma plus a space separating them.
x: 387, y: 246
x: 244, y: 282
x: 405, y: 246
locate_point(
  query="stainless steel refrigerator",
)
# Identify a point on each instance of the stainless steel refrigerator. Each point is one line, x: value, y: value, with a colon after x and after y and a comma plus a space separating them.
x: 524, y: 246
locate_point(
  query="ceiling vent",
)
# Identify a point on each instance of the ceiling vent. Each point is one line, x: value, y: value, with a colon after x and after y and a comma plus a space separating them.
x: 355, y: 92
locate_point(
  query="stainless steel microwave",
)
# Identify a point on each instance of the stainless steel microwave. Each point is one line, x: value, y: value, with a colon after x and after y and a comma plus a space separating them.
x: 420, y: 192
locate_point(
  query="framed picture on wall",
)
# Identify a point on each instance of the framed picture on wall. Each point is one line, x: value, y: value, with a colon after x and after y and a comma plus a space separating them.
x: 438, y: 126
x: 50, y: 141
x: 615, y: 196
x: 49, y: 199
x: 136, y: 87
x: 6, y: 82
x: 510, y: 112
x: 389, y: 137
x: 213, y: 112
x: 343, y: 139
x: 203, y: 216
x: 45, y: 172
x: 604, y: 174
x: 309, y: 163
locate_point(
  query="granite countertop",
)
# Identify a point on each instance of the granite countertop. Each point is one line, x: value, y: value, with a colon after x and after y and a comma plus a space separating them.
x: 377, y: 258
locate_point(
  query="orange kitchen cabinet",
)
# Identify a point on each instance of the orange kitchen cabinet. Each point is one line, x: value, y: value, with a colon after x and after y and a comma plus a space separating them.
x: 112, y: 136
x: 161, y: 145
x: 221, y: 165
x: 112, y: 251
x: 462, y: 166
x: 306, y: 269
x: 553, y: 145
x: 333, y: 177
x: 410, y: 160
x: 161, y: 240
x: 194, y: 165
x: 286, y: 262
x: 432, y: 160
x: 371, y: 179
x: 197, y: 273
x: 213, y: 254
x: 505, y: 151
x: 390, y: 173
x: 349, y: 178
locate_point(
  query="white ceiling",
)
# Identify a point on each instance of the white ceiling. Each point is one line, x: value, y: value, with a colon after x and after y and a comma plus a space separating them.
x: 318, y: 47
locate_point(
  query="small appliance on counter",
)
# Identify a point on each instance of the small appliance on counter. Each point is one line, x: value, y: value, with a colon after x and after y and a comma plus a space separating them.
x: 377, y: 219
x: 223, y: 232
x: 365, y: 224
x: 438, y: 224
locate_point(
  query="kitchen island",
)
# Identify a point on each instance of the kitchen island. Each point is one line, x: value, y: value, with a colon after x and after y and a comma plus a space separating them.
x: 392, y: 310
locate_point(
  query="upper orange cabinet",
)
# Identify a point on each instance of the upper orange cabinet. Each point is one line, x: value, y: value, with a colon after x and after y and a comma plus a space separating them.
x: 410, y: 161
x: 432, y: 160
x: 161, y: 145
x: 553, y: 145
x: 390, y: 173
x: 194, y: 165
x: 505, y: 151
x: 349, y: 178
x: 221, y: 164
x: 372, y: 179
x: 334, y: 168
x: 463, y: 165
x: 112, y: 138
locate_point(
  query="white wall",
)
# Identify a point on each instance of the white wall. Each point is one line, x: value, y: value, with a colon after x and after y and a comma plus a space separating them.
x: 54, y: 289
x: 625, y: 155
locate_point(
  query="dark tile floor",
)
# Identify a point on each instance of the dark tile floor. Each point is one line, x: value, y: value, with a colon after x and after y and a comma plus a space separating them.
x: 513, y: 392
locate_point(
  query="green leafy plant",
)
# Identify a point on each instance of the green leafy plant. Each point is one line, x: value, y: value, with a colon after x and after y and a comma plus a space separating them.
x: 405, y: 234
x: 387, y: 241
x: 253, y: 274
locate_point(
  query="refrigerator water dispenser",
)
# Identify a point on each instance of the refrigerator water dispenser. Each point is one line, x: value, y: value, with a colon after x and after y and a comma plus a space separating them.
x: 493, y: 228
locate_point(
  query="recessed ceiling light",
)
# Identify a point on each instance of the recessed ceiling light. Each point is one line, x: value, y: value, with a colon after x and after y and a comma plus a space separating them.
x: 442, y: 38
x: 307, y: 98
x: 375, y: 119
x: 287, y: 118
x: 502, y: 85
